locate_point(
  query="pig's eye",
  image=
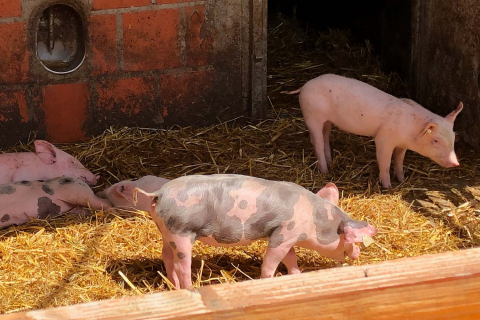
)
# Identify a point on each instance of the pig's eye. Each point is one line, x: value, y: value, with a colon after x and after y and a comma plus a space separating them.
x: 435, y: 140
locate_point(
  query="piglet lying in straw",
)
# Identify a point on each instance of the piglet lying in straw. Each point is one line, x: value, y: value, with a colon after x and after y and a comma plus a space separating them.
x: 46, y: 162
x: 233, y: 210
x: 41, y: 199
x: 396, y: 124
x: 120, y: 194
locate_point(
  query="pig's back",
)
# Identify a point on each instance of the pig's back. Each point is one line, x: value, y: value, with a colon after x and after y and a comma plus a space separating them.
x: 11, y: 162
x: 150, y: 183
x: 350, y: 104
x: 227, y: 208
x: 24, y: 199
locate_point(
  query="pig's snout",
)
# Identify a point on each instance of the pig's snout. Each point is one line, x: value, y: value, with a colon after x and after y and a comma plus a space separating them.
x: 101, y: 194
x: 452, y: 161
x: 373, y: 231
x: 91, y: 180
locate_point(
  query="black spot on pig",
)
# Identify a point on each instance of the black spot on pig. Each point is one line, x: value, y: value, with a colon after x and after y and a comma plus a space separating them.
x: 182, y: 196
x: 7, y: 189
x: 262, y: 227
x: 47, y: 189
x: 181, y: 255
x: 302, y: 237
x: 290, y: 225
x: 173, y: 245
x: 41, y: 180
x: 23, y: 183
x: 243, y: 204
x: 5, y: 218
x: 276, y: 238
x: 66, y: 180
x: 275, y: 205
x: 46, y: 207
x: 230, y: 231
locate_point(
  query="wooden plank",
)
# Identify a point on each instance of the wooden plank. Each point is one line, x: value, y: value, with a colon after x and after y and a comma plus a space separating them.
x: 442, y: 286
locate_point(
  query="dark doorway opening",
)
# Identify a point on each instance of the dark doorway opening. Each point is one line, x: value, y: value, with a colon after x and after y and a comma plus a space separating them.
x: 386, y: 24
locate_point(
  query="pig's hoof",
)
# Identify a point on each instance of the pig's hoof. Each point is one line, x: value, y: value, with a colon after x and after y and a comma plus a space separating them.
x: 386, y: 185
x: 400, y: 176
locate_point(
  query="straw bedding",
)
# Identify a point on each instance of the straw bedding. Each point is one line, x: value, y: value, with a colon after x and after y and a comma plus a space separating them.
x: 110, y: 254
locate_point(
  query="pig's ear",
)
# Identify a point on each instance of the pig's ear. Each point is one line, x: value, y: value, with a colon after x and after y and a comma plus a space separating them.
x: 330, y: 193
x: 45, y: 151
x: 453, y: 115
x: 429, y: 128
x: 124, y: 190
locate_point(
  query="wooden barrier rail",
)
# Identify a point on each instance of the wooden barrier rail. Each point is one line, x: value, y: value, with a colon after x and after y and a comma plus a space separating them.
x: 441, y: 286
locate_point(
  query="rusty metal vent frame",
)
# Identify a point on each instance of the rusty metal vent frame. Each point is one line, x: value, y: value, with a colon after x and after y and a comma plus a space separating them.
x: 78, y: 61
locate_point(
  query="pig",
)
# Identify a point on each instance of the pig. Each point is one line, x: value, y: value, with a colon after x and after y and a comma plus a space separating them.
x: 395, y: 124
x: 46, y: 162
x: 44, y: 198
x: 120, y: 194
x: 233, y: 210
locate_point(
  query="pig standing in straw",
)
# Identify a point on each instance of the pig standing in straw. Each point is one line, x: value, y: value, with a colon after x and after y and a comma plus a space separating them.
x: 233, y: 210
x: 396, y: 124
x: 46, y: 162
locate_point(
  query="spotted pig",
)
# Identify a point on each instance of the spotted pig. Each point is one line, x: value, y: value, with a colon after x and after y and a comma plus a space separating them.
x: 44, y: 198
x: 232, y: 210
x: 45, y: 163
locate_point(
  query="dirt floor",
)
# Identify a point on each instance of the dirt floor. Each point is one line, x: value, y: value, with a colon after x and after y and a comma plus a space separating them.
x: 74, y: 259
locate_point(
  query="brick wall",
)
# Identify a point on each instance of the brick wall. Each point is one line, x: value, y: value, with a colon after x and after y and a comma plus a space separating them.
x: 149, y: 63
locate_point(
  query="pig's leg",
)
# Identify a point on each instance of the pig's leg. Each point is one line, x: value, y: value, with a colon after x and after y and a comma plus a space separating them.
x: 95, y: 202
x: 316, y: 138
x: 384, y: 159
x: 98, y: 203
x: 290, y: 261
x: 167, y: 257
x: 182, y: 259
x: 277, y: 250
x: 326, y: 141
x: 398, y: 157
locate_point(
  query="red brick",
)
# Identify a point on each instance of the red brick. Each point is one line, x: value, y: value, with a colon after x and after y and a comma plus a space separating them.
x: 13, y: 53
x: 150, y: 40
x: 103, y: 40
x: 10, y: 8
x: 181, y: 93
x: 65, y: 107
x: 171, y: 1
x: 13, y: 106
x: 130, y: 96
x: 113, y: 4
x: 199, y: 37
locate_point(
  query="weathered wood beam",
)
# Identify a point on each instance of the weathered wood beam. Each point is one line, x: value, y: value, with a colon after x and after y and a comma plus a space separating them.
x: 441, y: 286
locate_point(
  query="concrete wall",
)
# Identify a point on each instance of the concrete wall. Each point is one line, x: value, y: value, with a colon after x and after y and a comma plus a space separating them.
x: 148, y: 63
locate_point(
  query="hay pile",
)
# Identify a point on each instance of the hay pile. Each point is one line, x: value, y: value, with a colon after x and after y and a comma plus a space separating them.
x: 106, y: 255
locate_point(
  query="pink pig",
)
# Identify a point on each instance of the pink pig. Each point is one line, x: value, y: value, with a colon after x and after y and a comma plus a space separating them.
x: 120, y: 194
x: 47, y: 162
x: 396, y: 124
x: 232, y: 210
x: 44, y: 198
